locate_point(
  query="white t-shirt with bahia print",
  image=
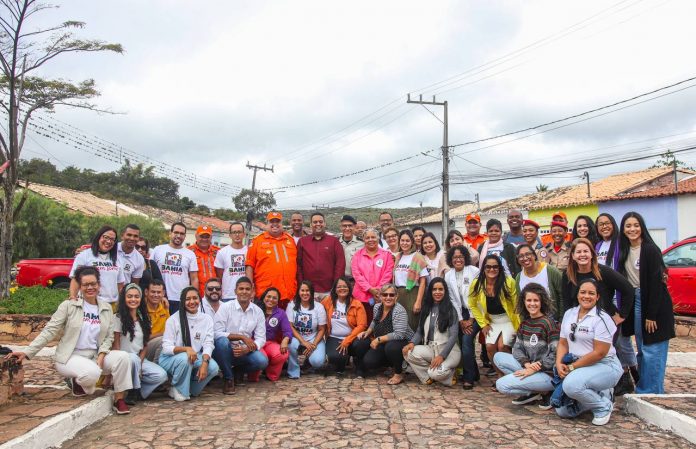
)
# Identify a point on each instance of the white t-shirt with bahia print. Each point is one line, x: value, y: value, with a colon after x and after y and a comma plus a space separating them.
x: 307, y: 321
x: 231, y: 260
x: 110, y: 273
x: 175, y: 265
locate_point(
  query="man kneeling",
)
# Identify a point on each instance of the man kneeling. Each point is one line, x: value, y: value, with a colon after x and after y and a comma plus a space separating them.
x: 240, y: 333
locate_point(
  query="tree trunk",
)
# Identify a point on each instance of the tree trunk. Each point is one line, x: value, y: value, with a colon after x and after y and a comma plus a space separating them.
x: 6, y: 231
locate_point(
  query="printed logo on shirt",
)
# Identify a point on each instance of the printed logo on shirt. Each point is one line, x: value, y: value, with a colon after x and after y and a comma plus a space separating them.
x: 303, y: 323
x: 637, y: 265
x: 236, y: 264
x: 104, y: 265
x: 91, y: 318
x: 197, y: 336
x: 543, y: 254
x: 337, y: 314
x: 379, y: 263
x: 172, y: 264
x: 583, y: 329
x: 273, y: 322
x: 533, y: 340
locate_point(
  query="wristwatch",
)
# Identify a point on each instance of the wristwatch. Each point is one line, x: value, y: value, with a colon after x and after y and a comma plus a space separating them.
x: 571, y: 367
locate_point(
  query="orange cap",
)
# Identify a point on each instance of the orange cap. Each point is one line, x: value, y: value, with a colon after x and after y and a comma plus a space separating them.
x: 560, y: 213
x: 274, y: 216
x: 204, y: 229
x: 473, y: 216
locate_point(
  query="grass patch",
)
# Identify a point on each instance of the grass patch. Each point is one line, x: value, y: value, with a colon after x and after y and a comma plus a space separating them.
x: 35, y: 300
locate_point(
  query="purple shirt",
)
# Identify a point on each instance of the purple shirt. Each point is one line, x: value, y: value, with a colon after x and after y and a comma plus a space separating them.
x: 278, y: 326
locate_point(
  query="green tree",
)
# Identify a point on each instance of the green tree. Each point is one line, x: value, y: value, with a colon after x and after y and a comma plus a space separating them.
x: 25, y: 50
x: 542, y: 188
x: 255, y: 201
x: 228, y: 214
x: 669, y: 159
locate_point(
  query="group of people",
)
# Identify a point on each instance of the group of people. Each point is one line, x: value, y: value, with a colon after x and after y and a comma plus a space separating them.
x: 554, y: 319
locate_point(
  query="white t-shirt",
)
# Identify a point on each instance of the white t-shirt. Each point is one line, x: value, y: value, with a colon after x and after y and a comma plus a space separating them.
x: 231, y: 260
x: 127, y: 345
x: 432, y: 264
x: 603, y: 252
x: 110, y: 274
x: 401, y: 270
x: 132, y: 264
x: 541, y: 278
x: 339, y: 322
x: 91, y: 325
x: 175, y: 265
x: 307, y: 321
x: 592, y: 327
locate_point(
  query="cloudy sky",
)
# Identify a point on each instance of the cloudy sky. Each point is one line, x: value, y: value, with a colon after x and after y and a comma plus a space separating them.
x: 318, y: 90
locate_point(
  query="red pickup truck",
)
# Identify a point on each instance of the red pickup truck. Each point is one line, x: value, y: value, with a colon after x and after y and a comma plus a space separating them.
x: 54, y: 273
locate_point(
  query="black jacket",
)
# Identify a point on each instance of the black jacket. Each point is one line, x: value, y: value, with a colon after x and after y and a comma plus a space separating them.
x: 656, y: 303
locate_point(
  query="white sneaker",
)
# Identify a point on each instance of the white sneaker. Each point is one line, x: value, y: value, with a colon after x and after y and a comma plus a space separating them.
x: 178, y: 397
x: 602, y: 420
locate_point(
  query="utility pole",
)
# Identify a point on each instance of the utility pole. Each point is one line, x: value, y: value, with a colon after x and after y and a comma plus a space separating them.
x: 586, y: 176
x: 421, y: 206
x: 676, y: 180
x: 478, y: 203
x: 445, y: 161
x: 250, y: 212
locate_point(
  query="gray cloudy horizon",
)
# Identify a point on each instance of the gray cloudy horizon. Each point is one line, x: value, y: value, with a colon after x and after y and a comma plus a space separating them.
x: 209, y: 88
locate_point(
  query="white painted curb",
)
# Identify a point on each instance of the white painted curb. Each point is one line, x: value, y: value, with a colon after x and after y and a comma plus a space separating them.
x: 61, y: 428
x: 681, y: 359
x: 669, y: 420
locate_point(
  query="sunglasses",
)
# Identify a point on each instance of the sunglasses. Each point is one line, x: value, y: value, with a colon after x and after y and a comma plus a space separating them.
x: 573, y: 327
x: 389, y: 295
x: 141, y: 247
x: 491, y: 267
x: 213, y: 289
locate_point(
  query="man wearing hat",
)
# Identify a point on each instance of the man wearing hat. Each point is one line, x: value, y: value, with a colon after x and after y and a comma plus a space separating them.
x: 473, y: 234
x: 558, y: 251
x: 320, y: 258
x: 349, y: 241
x: 561, y: 217
x: 205, y: 253
x: 271, y: 260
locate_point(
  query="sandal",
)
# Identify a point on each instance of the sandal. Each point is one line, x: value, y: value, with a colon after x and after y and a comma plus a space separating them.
x: 429, y: 381
x: 396, y: 379
x: 468, y: 386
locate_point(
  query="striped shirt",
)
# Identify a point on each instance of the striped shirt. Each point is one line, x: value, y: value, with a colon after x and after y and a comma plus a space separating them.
x: 399, y: 322
x: 537, y: 339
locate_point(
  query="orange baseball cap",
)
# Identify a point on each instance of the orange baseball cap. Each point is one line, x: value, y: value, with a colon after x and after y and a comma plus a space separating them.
x: 560, y: 213
x: 473, y: 216
x: 274, y: 216
x: 204, y: 229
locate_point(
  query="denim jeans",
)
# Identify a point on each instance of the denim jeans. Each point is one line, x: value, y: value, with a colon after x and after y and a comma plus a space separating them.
x: 223, y: 355
x: 317, y: 358
x: 185, y: 375
x: 624, y: 346
x: 591, y: 387
x: 652, y: 359
x: 471, y: 370
x: 510, y: 384
x: 146, y: 375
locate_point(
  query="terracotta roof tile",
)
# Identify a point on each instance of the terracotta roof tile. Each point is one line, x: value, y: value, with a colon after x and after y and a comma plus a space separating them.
x: 684, y: 186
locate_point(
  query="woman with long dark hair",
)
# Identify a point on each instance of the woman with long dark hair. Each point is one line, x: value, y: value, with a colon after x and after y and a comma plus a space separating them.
x: 430, y: 249
x: 103, y: 256
x: 345, y: 319
x: 418, y: 233
x: 608, y: 254
x: 410, y: 276
x: 653, y: 319
x: 539, y: 272
x: 529, y: 369
x: 308, y: 321
x: 433, y: 352
x: 187, y: 347
x: 455, y: 238
x: 585, y: 228
x: 131, y: 333
x: 278, y: 333
x: 492, y: 299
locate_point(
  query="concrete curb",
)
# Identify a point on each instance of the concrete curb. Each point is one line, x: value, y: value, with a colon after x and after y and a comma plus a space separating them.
x: 669, y: 420
x: 61, y: 428
x: 681, y: 359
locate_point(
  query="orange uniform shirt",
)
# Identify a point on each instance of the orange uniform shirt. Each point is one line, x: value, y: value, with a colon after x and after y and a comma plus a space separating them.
x: 476, y: 241
x: 274, y: 260
x: 206, y: 265
x: 546, y: 238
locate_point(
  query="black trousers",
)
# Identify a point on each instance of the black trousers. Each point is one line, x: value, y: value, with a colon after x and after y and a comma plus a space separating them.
x: 386, y: 354
x: 336, y: 359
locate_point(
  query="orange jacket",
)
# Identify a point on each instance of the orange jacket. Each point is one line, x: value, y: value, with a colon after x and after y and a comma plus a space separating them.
x: 274, y: 261
x: 475, y: 242
x: 206, y: 265
x: 355, y: 315
x: 546, y: 238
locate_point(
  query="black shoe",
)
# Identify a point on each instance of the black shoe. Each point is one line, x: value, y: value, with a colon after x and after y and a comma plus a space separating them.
x: 625, y: 385
x: 545, y: 403
x: 239, y: 378
x: 634, y: 374
x: 491, y: 372
x: 132, y: 397
x: 526, y: 399
x: 486, y: 364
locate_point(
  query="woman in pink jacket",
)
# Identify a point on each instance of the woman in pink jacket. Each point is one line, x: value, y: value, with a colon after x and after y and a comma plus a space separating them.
x: 372, y: 267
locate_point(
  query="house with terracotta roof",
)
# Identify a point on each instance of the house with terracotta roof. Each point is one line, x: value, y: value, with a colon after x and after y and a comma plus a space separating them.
x: 668, y: 209
x: 584, y: 199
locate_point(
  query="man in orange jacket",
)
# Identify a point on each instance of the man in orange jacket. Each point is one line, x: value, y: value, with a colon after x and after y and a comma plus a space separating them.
x: 560, y: 217
x: 205, y: 253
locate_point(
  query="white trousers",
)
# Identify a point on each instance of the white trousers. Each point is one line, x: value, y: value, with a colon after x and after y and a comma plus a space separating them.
x: 420, y: 357
x: 82, y: 366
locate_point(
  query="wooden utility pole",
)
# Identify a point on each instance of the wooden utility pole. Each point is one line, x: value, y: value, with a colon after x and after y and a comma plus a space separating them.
x: 445, y: 161
x: 251, y: 212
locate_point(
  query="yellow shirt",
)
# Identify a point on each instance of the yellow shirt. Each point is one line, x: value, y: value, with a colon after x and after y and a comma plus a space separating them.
x: 158, y: 318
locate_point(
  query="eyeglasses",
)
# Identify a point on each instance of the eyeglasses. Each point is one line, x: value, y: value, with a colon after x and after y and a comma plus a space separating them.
x: 492, y: 267
x: 525, y: 255
x: 388, y: 295
x: 107, y: 238
x: 90, y: 284
x: 143, y: 247
x: 458, y: 257
x: 604, y: 224
x: 573, y: 327
x: 213, y: 289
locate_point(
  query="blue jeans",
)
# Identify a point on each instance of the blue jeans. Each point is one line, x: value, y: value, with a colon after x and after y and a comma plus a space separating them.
x: 185, y: 375
x: 223, y: 355
x: 317, y: 358
x: 591, y: 387
x: 652, y: 359
x: 510, y: 384
x: 624, y: 346
x: 471, y: 370
x: 152, y: 377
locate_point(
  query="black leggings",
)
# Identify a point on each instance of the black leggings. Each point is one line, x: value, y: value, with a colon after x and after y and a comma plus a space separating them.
x: 386, y: 354
x: 336, y: 359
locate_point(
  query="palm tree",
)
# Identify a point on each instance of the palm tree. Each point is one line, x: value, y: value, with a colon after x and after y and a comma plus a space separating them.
x: 542, y: 188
